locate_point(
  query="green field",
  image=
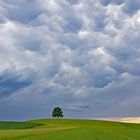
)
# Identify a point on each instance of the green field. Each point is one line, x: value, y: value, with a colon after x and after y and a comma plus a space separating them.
x: 68, y: 129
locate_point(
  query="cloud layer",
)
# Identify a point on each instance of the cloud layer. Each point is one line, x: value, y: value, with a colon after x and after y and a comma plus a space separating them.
x: 81, y: 55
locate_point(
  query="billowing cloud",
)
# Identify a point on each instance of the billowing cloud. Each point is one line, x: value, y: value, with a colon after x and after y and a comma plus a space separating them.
x: 131, y: 7
x: 107, y: 2
x: 81, y: 55
x: 10, y: 83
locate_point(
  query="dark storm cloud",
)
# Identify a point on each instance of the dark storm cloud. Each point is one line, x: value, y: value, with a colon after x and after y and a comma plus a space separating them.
x: 106, y: 2
x: 10, y: 83
x: 73, y: 1
x: 16, y: 10
x: 131, y: 7
x: 81, y: 55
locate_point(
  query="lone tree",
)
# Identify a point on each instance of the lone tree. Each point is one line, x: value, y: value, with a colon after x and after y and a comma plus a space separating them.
x: 57, y: 112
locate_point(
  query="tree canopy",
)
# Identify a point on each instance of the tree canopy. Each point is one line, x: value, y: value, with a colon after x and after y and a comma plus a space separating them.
x: 57, y: 112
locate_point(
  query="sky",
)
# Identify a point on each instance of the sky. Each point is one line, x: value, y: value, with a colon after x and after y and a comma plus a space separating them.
x: 80, y: 55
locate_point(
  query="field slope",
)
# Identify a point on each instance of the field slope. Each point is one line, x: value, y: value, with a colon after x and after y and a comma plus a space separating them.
x: 68, y: 129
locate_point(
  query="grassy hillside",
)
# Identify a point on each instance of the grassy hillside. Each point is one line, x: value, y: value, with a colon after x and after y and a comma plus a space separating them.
x: 16, y: 125
x: 68, y: 129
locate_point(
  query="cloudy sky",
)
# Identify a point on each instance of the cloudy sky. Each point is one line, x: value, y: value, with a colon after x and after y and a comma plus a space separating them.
x: 81, y: 55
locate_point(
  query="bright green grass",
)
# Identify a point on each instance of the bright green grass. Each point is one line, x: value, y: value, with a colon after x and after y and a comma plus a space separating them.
x: 68, y: 129
x: 16, y: 125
